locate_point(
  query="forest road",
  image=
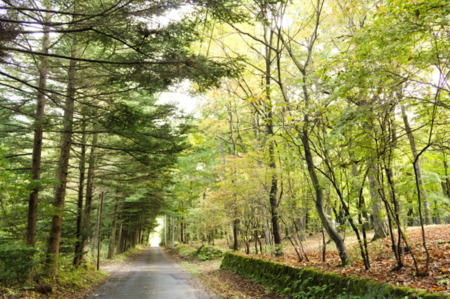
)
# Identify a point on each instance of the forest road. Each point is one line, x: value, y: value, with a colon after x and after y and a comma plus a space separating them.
x: 150, y: 275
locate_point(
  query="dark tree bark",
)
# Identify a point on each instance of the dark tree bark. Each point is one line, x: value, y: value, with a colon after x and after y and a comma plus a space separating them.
x: 99, y: 229
x: 113, y: 239
x: 236, y: 224
x: 62, y: 171
x: 89, y: 196
x: 78, y: 234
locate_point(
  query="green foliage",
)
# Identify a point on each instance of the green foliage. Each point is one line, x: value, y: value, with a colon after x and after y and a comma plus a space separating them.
x: 16, y: 262
x: 204, y: 253
x: 209, y: 252
x: 309, y: 283
x: 229, y: 11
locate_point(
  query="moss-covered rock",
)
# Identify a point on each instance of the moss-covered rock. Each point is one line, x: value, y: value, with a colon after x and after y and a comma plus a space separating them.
x: 209, y: 252
x: 310, y: 283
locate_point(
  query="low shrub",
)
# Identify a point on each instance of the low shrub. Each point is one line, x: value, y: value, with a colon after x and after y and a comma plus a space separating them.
x: 310, y: 283
x: 16, y: 262
x: 209, y: 252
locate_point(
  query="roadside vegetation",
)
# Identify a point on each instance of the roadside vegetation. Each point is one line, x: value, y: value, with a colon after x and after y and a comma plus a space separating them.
x: 229, y: 285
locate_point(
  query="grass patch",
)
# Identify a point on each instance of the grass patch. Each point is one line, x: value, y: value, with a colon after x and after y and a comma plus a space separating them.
x: 74, y: 280
x: 127, y: 254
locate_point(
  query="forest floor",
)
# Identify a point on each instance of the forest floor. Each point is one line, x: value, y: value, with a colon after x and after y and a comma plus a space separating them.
x: 381, y: 259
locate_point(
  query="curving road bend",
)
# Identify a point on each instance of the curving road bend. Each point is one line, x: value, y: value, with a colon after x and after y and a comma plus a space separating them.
x: 151, y: 275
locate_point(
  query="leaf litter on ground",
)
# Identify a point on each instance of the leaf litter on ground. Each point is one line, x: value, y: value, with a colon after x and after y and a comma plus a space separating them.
x: 382, y: 261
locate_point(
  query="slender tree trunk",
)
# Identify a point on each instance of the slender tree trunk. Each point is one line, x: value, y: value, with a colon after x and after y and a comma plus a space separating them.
x: 236, y: 223
x: 79, y: 230
x: 396, y: 245
x: 173, y: 232
x: 267, y: 233
x: 273, y: 200
x: 99, y: 230
x: 113, y: 239
x: 89, y: 196
x: 182, y: 238
x: 37, y: 141
x: 332, y: 233
x: 324, y: 247
x: 62, y: 170
x: 118, y: 249
x: 165, y: 230
x: 416, y: 165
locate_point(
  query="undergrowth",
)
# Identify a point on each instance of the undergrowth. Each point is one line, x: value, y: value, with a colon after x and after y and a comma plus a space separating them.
x: 70, y: 283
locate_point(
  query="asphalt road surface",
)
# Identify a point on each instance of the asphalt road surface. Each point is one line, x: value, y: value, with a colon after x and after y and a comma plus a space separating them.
x: 151, y: 275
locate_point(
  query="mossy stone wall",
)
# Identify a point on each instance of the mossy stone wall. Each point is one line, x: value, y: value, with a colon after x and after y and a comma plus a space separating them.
x: 310, y: 283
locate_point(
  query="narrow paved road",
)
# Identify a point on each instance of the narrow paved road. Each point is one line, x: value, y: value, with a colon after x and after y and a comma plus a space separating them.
x: 151, y: 275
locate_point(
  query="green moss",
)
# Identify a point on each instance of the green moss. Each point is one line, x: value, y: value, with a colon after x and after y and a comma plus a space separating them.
x: 311, y: 283
x: 77, y: 279
x: 209, y: 252
x: 185, y: 250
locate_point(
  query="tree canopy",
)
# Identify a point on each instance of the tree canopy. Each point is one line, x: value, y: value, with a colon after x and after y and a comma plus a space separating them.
x: 325, y: 116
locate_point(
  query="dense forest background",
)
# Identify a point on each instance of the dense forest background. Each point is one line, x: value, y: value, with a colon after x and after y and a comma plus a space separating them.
x: 315, y: 116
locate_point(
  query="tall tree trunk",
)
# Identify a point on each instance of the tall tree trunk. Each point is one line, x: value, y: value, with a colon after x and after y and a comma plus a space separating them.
x: 37, y: 141
x: 62, y: 170
x: 273, y: 193
x: 78, y: 234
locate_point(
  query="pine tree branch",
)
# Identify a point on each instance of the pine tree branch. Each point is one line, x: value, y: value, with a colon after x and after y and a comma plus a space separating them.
x: 93, y: 60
